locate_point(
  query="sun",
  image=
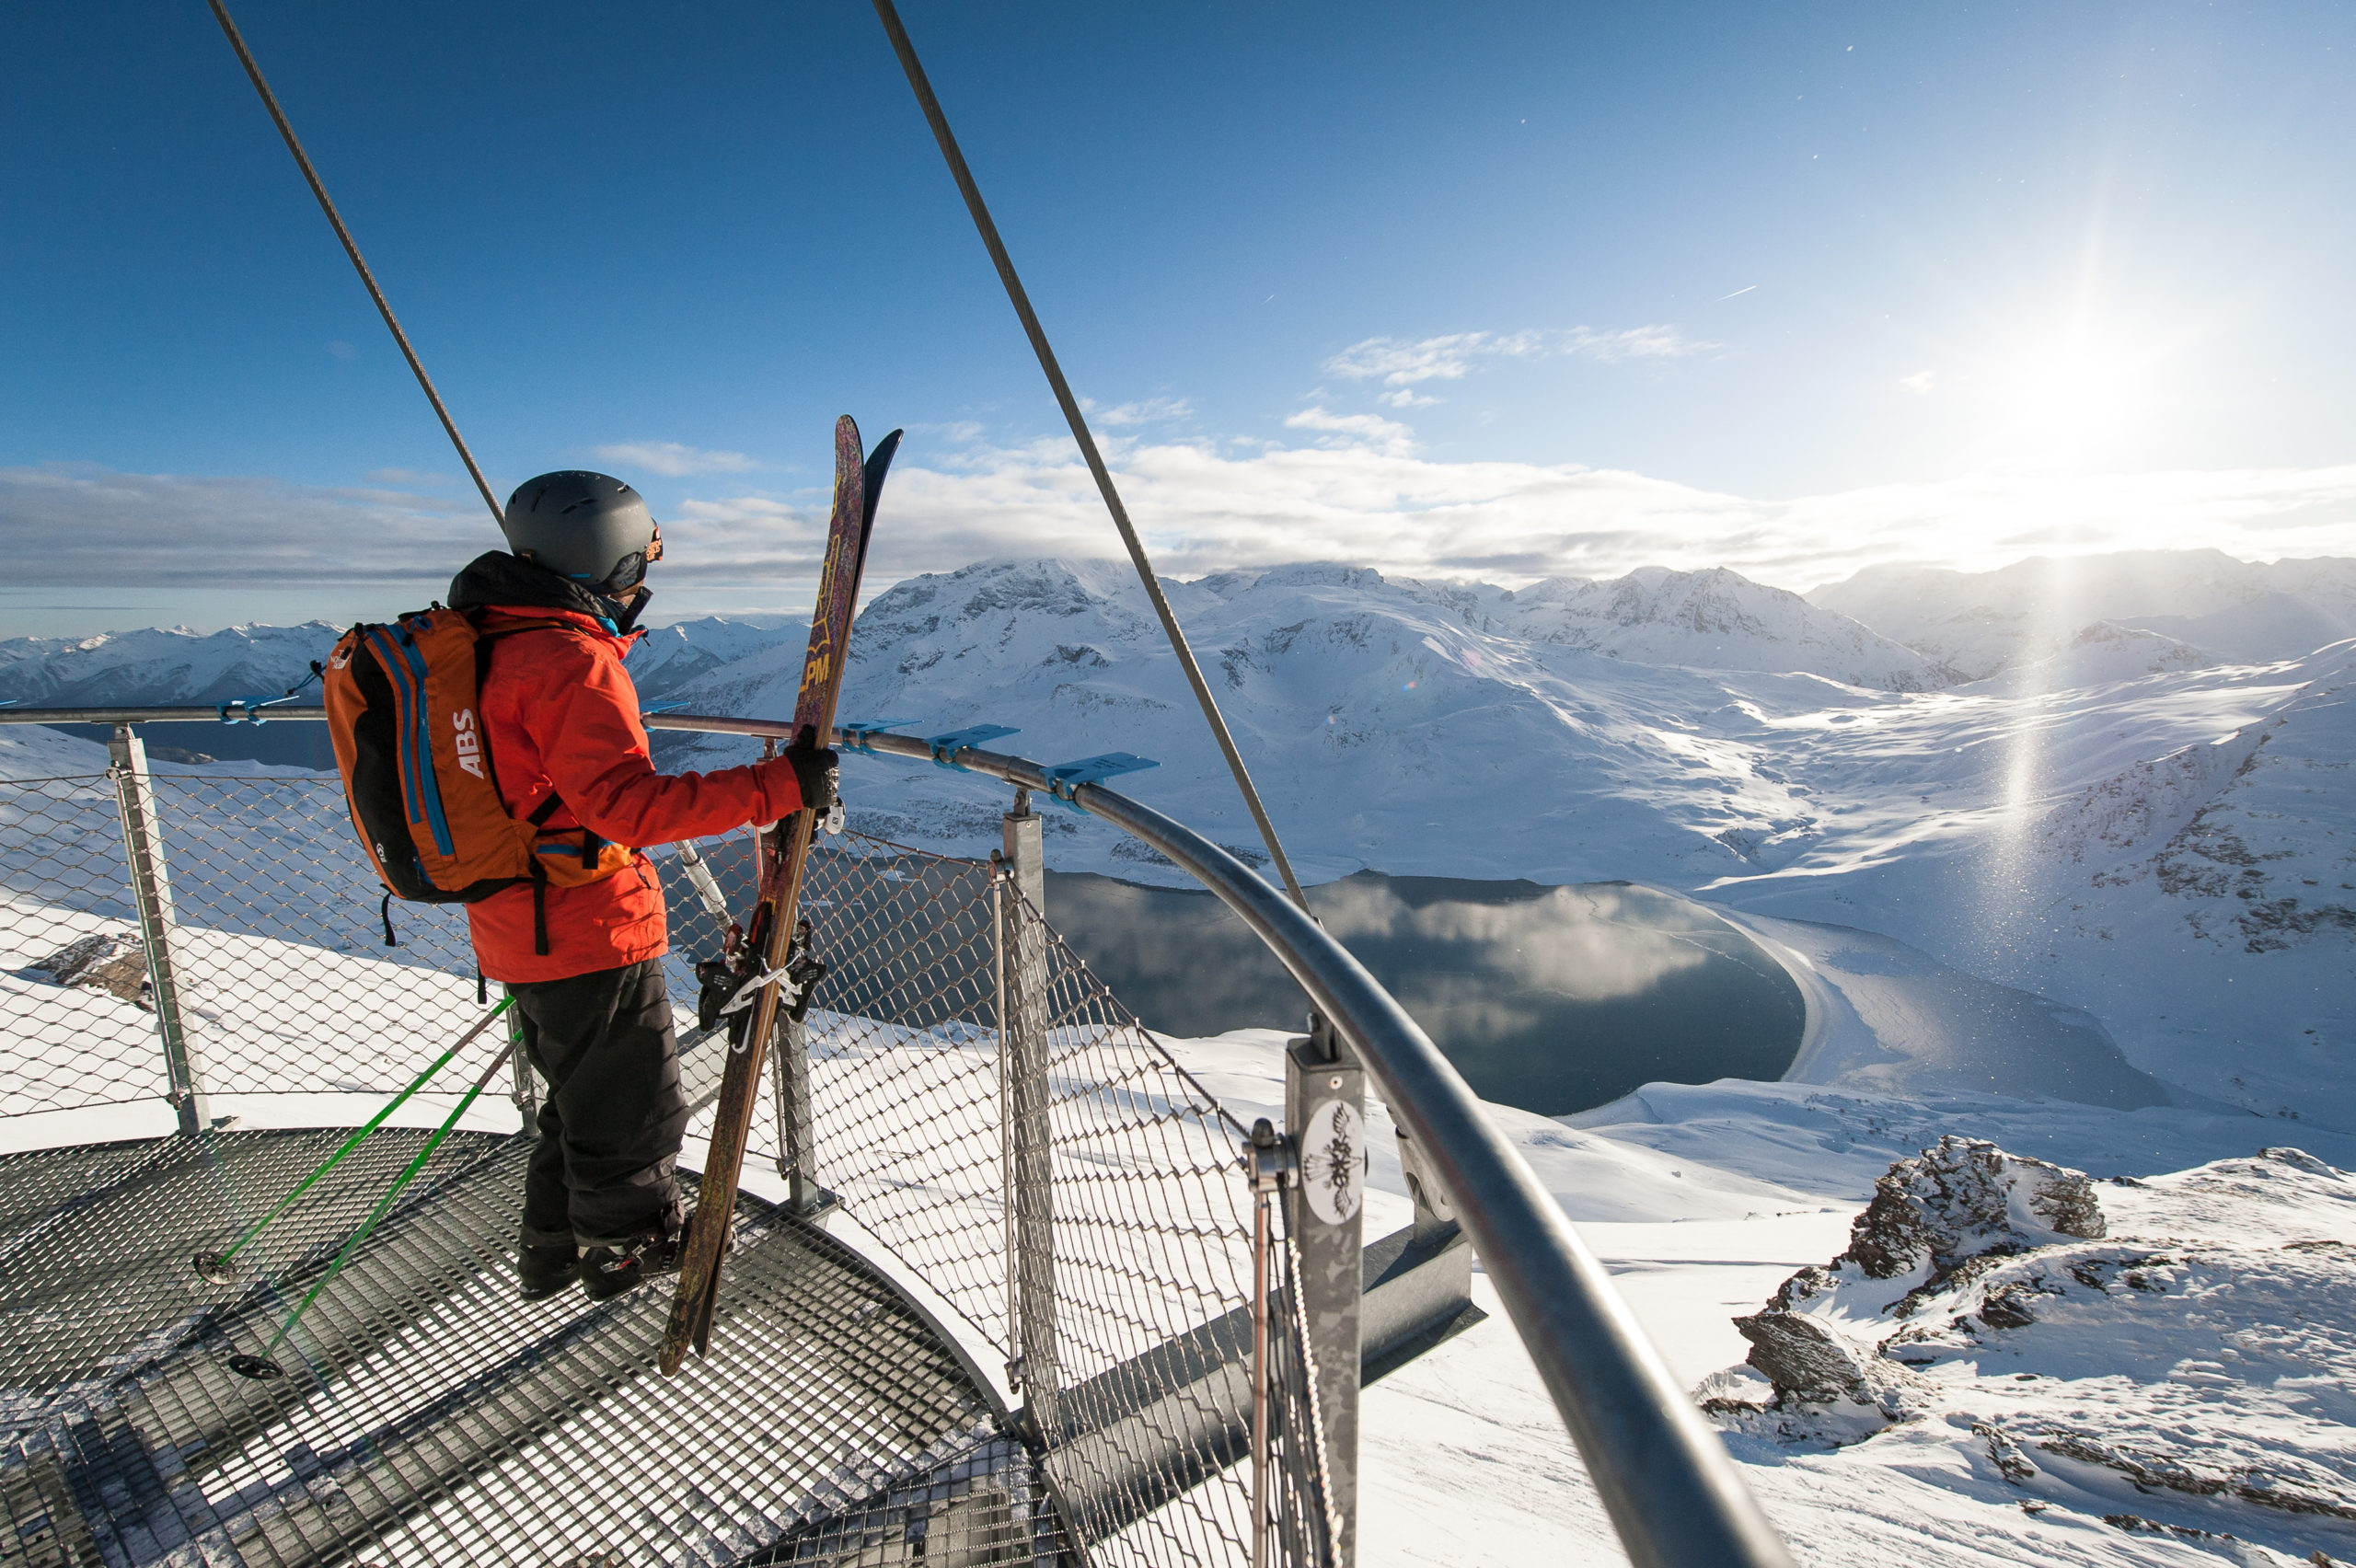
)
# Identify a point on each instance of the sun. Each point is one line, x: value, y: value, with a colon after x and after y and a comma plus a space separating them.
x: 2077, y: 391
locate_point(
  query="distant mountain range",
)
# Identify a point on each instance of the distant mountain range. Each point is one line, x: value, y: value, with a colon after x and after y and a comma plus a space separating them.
x: 2117, y: 783
x: 1981, y: 623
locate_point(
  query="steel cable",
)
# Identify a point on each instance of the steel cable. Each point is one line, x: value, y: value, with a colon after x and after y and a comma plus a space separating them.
x: 1021, y: 298
x: 350, y: 249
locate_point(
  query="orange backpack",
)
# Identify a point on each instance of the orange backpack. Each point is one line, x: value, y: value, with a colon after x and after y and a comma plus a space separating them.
x: 417, y: 773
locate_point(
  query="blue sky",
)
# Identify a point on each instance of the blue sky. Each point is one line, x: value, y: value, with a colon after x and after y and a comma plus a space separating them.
x: 1488, y: 290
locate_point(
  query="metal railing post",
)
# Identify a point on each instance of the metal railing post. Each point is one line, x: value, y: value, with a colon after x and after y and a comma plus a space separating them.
x: 151, y: 891
x: 1029, y: 1136
x: 1325, y: 1213
x: 1267, y: 1163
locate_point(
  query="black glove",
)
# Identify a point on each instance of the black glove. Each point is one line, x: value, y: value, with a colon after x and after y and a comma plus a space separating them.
x: 817, y: 769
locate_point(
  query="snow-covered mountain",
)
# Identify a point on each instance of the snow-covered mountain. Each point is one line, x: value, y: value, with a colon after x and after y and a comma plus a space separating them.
x: 669, y: 657
x: 171, y: 665
x: 2097, y: 906
x: 166, y: 664
x: 1715, y: 619
x: 1982, y: 622
x: 2157, y: 843
x: 2134, y: 831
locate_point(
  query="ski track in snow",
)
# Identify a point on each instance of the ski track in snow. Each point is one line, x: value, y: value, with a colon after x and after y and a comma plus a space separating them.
x: 2094, y: 906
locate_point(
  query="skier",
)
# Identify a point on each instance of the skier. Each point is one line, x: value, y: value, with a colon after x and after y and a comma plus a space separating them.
x: 559, y: 718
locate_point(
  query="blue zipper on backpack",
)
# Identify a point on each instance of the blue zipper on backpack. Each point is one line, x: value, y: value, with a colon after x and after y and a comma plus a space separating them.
x: 423, y: 791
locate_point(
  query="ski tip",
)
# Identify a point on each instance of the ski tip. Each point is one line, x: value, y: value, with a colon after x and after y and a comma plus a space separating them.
x: 214, y: 1268
x: 261, y: 1368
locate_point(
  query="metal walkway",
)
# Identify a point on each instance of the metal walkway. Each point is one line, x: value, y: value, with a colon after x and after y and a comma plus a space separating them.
x: 428, y: 1417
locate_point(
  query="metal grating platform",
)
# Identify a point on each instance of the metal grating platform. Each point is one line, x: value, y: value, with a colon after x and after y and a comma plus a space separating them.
x: 427, y: 1415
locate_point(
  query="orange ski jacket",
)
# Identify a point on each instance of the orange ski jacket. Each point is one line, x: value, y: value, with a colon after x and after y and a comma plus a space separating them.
x: 560, y: 715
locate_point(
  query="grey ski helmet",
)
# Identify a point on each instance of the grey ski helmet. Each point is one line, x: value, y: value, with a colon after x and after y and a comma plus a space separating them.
x: 590, y: 528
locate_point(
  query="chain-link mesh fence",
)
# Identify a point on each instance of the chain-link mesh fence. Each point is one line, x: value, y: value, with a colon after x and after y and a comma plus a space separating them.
x: 996, y: 1125
x: 79, y: 1028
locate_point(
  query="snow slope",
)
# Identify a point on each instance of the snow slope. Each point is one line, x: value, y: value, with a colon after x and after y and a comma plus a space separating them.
x: 2166, y: 1359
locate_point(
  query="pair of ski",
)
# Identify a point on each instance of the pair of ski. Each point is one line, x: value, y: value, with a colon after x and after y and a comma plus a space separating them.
x: 785, y: 851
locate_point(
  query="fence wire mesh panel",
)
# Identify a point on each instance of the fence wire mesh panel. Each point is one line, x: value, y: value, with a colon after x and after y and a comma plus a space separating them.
x: 995, y: 1127
x: 1124, y: 1299
x: 79, y: 1029
x: 278, y: 947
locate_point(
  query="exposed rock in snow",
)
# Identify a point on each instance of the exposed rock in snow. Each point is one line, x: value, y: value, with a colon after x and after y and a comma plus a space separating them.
x: 104, y: 962
x: 1932, y: 1217
x: 1966, y: 1198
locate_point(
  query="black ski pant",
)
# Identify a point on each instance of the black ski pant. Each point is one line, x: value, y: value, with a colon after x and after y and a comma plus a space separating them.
x: 602, y: 1173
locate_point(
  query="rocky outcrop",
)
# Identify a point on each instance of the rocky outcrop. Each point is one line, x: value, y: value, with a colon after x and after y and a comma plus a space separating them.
x: 1966, y: 1198
x: 1939, y: 1220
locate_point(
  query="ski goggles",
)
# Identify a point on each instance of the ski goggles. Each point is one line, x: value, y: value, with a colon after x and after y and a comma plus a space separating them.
x: 630, y: 571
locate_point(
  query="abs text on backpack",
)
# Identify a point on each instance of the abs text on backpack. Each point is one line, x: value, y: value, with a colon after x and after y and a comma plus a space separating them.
x: 419, y: 777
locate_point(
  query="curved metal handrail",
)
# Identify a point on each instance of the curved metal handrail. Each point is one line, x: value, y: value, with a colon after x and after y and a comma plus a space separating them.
x: 1672, y: 1491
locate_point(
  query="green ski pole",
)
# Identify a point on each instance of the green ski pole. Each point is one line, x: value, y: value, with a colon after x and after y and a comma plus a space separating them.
x: 217, y: 1267
x: 263, y: 1366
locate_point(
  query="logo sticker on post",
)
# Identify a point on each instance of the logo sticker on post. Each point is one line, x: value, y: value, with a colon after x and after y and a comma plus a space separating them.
x: 1333, y: 1162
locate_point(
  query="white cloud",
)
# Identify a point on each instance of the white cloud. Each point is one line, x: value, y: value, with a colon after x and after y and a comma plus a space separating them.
x: 1203, y: 510
x: 1387, y: 436
x: 1145, y: 411
x: 1449, y: 358
x: 1919, y: 383
x: 1633, y: 342
x: 1364, y: 498
x: 81, y: 524
x: 672, y: 460
x: 1403, y: 363
x: 1406, y: 397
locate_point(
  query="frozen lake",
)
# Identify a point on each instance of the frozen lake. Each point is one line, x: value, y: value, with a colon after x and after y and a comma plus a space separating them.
x: 1550, y: 999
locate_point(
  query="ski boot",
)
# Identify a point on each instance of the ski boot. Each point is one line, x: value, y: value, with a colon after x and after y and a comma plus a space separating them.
x: 542, y: 1271
x: 606, y: 1272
